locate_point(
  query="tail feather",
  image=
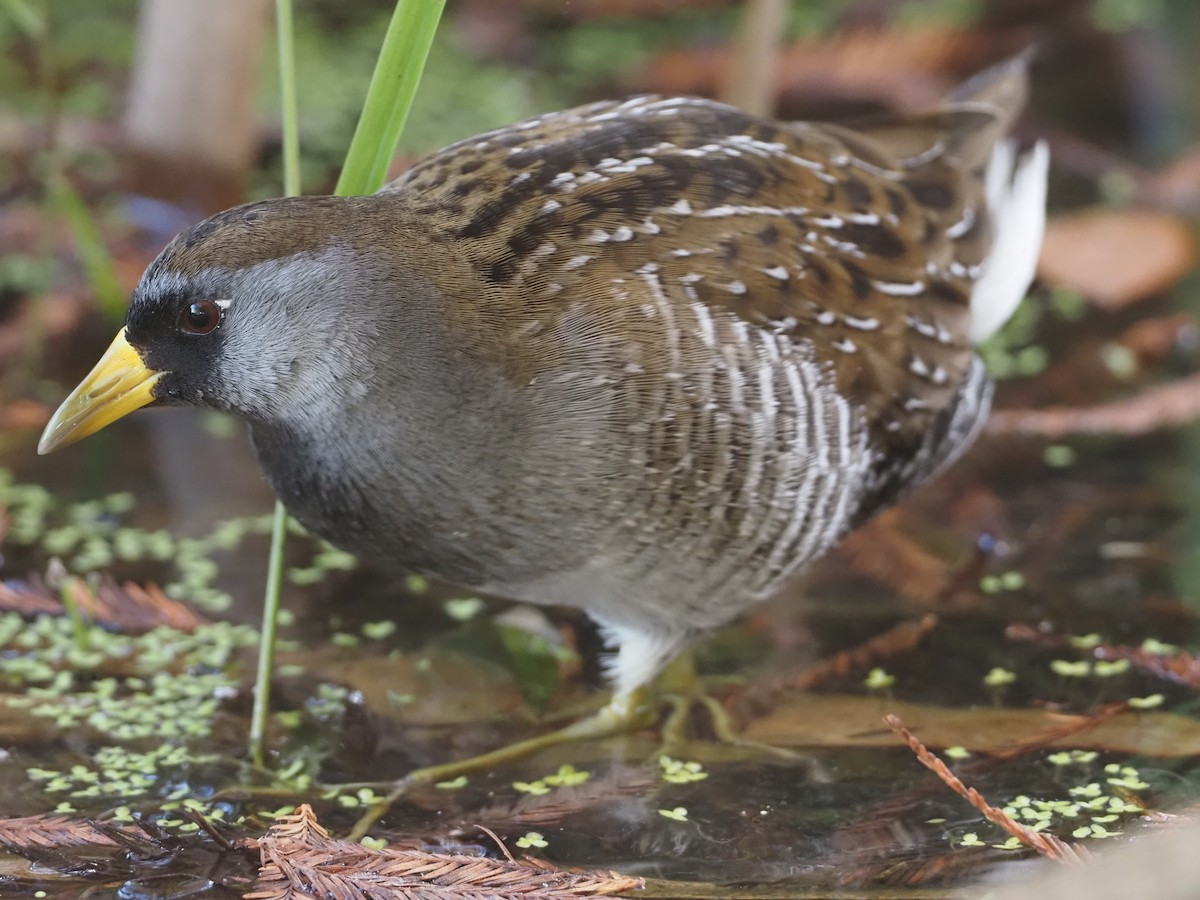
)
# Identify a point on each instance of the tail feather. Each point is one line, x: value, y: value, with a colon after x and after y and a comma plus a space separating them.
x: 968, y: 131
x: 1016, y: 197
x: 963, y: 128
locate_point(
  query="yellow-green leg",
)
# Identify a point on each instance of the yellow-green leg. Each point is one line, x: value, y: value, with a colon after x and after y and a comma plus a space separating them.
x: 625, y: 712
x: 678, y: 685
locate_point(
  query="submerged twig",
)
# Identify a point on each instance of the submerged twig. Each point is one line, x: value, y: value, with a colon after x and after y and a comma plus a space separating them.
x: 1045, y: 844
x: 1179, y: 667
x: 896, y: 641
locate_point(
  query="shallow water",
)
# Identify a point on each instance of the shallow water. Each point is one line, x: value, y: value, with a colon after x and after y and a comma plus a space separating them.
x: 1103, y: 546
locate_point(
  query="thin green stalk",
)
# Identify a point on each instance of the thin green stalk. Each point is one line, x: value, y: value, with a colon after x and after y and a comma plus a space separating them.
x: 89, y: 244
x: 34, y: 23
x: 389, y: 98
x: 270, y: 627
x: 30, y: 19
x: 78, y: 625
x: 285, y: 33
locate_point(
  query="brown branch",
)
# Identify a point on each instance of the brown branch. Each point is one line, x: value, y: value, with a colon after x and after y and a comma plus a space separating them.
x: 882, y: 551
x: 1180, y: 668
x: 1160, y: 406
x: 1045, y: 844
x: 896, y: 641
x: 1077, y: 725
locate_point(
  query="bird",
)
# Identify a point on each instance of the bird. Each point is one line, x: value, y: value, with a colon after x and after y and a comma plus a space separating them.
x: 644, y: 357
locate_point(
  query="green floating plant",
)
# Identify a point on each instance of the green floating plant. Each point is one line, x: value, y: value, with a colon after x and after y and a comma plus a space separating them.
x: 92, y: 536
x: 146, y: 725
x: 678, y: 771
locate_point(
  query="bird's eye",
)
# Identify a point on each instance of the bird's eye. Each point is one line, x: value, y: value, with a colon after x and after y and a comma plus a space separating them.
x: 201, y: 317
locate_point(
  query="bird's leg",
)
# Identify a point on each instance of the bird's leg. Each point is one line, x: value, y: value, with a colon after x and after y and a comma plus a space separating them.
x: 628, y: 710
x: 624, y: 712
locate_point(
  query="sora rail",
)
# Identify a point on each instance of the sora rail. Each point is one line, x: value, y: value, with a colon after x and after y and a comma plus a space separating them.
x: 646, y: 358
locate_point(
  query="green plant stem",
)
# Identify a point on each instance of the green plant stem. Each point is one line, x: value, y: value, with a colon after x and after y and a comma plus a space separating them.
x: 89, y: 244
x: 389, y: 98
x: 78, y: 625
x: 29, y: 19
x: 385, y: 110
x: 267, y: 640
x: 285, y: 33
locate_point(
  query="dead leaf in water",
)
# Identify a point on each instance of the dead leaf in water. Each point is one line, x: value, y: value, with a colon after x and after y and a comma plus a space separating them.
x: 836, y: 720
x: 433, y: 689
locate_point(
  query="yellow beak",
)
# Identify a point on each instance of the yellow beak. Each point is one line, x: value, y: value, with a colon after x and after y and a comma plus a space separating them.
x: 119, y: 384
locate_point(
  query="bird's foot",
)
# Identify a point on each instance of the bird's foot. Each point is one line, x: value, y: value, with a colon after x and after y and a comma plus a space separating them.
x: 625, y: 712
x: 688, y: 693
x: 683, y: 706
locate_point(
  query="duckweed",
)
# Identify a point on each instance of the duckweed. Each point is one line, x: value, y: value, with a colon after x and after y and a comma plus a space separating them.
x: 566, y: 776
x: 999, y: 677
x: 676, y: 771
x: 1071, y: 669
x: 1149, y: 702
x: 89, y: 537
x: 878, y: 679
x: 377, y: 631
x: 171, y: 698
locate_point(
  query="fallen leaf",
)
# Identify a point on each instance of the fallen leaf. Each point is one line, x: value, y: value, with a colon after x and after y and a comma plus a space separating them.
x: 1175, y: 186
x: 837, y: 720
x: 30, y: 832
x: 445, y: 688
x: 50, y: 315
x: 1115, y: 257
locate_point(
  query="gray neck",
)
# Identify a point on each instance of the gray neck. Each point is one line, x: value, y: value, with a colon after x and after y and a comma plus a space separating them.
x: 395, y: 386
